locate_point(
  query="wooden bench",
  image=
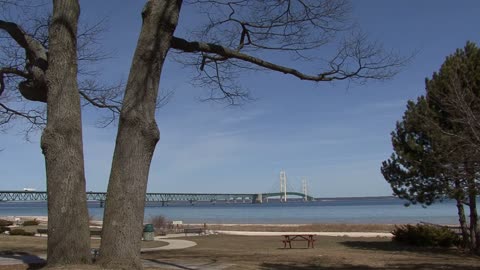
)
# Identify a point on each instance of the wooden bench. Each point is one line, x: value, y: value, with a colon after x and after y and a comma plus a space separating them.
x: 289, y: 238
x: 455, y: 229
x: 96, y: 232
x: 194, y: 230
x: 95, y: 252
x: 42, y: 231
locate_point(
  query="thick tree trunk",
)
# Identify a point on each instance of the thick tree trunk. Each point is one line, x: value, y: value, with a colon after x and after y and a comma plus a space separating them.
x: 463, y: 224
x: 68, y: 232
x: 459, y: 197
x: 136, y: 139
x: 472, y: 203
x: 474, y: 231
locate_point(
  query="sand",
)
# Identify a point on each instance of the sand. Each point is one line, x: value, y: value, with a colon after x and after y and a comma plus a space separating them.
x: 339, y: 230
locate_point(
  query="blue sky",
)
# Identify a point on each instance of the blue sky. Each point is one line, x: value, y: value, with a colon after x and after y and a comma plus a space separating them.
x: 334, y: 134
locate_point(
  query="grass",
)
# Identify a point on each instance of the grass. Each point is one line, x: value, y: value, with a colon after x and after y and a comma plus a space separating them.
x: 304, y: 227
x: 244, y: 252
x: 38, y: 245
x: 267, y: 253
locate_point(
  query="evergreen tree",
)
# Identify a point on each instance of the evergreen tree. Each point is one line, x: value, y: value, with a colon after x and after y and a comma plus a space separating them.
x: 412, y: 170
x: 436, y: 145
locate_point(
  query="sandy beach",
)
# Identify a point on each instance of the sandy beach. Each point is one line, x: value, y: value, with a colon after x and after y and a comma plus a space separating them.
x: 340, y: 229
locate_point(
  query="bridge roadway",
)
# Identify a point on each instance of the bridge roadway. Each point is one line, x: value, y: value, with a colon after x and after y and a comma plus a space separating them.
x: 157, y: 197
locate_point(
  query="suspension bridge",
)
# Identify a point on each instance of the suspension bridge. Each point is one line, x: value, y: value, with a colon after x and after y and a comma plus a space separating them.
x: 165, y: 198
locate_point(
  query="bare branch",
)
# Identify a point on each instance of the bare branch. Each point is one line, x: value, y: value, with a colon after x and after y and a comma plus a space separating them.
x: 23, y: 65
x: 458, y: 100
x: 370, y: 65
x: 35, y: 87
x: 274, y: 25
x: 236, y: 32
x: 35, y: 117
x: 35, y: 51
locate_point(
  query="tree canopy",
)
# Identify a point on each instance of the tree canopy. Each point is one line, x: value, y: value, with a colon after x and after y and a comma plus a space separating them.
x: 414, y: 171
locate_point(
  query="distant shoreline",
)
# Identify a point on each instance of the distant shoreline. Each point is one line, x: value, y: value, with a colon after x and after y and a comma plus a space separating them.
x: 254, y: 227
x: 250, y: 226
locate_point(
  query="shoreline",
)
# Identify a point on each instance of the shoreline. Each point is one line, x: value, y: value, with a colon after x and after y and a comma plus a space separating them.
x: 327, y: 229
x: 256, y: 227
x: 251, y: 229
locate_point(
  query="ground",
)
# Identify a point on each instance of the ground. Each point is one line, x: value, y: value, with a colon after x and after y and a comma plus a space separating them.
x: 243, y: 252
x: 267, y: 253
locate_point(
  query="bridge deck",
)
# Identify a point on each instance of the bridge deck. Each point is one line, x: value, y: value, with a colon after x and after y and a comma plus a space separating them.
x: 151, y: 197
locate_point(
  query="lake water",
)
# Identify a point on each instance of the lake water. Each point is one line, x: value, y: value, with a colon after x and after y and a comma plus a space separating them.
x: 338, y: 210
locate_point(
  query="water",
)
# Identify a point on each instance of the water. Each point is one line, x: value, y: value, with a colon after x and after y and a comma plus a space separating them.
x: 353, y: 210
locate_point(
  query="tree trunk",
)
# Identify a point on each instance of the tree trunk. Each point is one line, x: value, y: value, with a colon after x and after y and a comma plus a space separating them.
x: 472, y: 203
x: 474, y: 231
x: 68, y: 232
x: 459, y: 197
x: 136, y: 139
x: 463, y: 224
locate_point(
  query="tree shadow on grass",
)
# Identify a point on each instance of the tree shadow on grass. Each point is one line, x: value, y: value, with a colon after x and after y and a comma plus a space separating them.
x: 278, y: 266
x: 406, y: 266
x: 33, y: 261
x: 430, y: 266
x: 202, y: 265
x: 378, y: 245
x: 392, y: 246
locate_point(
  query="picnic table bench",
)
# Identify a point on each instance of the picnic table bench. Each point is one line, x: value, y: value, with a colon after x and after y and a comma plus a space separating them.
x: 289, y: 238
x: 42, y: 231
x: 455, y: 229
x: 194, y: 230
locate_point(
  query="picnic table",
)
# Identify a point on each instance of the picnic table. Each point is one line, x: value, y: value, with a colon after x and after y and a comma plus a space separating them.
x: 194, y: 230
x: 289, y: 238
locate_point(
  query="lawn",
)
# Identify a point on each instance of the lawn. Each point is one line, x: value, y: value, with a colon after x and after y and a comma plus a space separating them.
x: 247, y: 252
x: 254, y: 252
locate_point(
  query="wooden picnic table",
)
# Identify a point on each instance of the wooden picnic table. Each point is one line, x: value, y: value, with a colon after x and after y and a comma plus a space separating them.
x: 289, y: 238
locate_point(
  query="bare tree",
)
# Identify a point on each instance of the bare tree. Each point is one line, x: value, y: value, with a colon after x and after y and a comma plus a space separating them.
x: 24, y: 61
x: 237, y: 33
x: 38, y: 62
x: 234, y: 39
x: 62, y: 143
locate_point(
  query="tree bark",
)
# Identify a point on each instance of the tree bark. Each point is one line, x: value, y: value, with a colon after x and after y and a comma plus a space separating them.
x: 34, y: 87
x: 459, y: 197
x: 472, y: 204
x: 68, y: 232
x: 463, y: 224
x: 472, y: 201
x: 136, y: 139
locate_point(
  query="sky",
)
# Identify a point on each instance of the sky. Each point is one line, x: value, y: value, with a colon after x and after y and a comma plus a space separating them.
x: 334, y: 134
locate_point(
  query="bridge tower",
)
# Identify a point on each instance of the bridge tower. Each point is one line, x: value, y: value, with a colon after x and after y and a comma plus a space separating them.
x: 283, y: 186
x: 305, y: 188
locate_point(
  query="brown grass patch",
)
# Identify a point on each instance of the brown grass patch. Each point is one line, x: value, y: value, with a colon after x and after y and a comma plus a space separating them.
x: 303, y: 227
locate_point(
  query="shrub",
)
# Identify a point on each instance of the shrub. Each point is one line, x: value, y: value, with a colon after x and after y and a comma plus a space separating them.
x: 4, y: 229
x: 31, y: 222
x: 159, y: 222
x: 425, y: 236
x: 21, y: 232
x: 4, y: 222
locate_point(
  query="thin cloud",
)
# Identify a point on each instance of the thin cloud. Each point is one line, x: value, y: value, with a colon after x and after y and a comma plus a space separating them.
x: 241, y: 116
